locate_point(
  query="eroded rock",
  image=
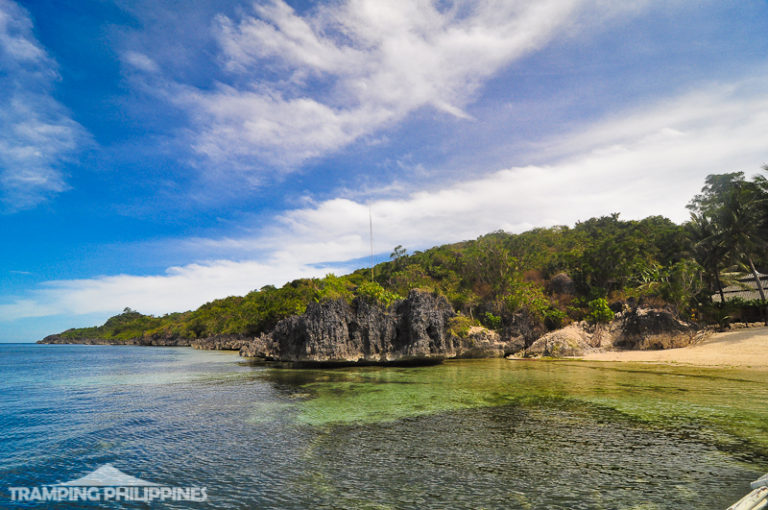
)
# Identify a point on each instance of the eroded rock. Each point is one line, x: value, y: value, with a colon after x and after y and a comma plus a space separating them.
x: 649, y: 328
x: 414, y: 329
x: 572, y: 340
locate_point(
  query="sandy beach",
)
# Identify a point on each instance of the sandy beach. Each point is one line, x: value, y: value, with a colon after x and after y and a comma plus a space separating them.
x: 739, y: 348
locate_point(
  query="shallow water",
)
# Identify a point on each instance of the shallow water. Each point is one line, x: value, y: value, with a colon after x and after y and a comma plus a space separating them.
x: 465, y: 434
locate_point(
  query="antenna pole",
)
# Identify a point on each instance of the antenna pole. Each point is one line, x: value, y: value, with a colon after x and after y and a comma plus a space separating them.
x: 370, y: 225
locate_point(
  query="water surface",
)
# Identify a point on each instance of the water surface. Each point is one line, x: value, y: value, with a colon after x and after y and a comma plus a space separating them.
x: 465, y: 434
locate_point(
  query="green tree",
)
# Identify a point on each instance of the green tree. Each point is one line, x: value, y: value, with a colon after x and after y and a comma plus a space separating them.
x: 599, y: 311
x: 398, y: 253
x: 374, y: 293
x: 709, y: 249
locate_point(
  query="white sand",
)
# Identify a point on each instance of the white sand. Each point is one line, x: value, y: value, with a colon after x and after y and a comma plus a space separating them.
x: 739, y: 348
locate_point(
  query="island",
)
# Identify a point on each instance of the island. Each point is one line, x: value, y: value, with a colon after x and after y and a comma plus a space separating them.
x: 603, y: 285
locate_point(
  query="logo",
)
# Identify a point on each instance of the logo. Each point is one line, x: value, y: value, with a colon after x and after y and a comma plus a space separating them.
x: 108, y: 483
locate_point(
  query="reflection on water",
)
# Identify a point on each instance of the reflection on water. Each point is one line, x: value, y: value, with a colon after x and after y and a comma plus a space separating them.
x: 465, y: 434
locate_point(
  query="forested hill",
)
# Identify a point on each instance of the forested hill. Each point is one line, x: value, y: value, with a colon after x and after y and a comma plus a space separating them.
x: 540, y: 279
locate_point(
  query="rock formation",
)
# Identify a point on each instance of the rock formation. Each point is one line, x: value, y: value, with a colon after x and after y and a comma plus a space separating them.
x: 485, y: 343
x: 219, y: 343
x: 417, y: 330
x: 414, y: 329
x: 561, y: 283
x: 639, y: 328
x: 572, y: 340
x: 648, y: 328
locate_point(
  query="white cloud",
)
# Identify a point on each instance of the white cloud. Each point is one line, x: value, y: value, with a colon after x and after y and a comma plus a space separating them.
x: 36, y: 132
x: 648, y: 161
x: 140, y: 61
x: 346, y: 70
x: 181, y: 288
x: 644, y: 162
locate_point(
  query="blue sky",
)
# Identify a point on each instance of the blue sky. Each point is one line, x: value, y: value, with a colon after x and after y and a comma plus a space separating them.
x: 160, y: 154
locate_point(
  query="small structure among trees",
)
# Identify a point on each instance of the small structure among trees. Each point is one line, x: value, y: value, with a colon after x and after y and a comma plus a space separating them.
x: 745, y: 288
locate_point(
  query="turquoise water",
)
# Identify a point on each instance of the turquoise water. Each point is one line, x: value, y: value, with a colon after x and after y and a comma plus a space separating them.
x: 465, y: 434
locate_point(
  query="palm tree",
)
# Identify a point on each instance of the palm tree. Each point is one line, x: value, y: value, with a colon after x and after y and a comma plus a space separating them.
x: 741, y: 219
x: 761, y: 182
x: 709, y: 248
x: 731, y: 212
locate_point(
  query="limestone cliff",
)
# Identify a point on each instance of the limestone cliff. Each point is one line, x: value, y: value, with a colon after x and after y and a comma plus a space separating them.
x: 418, y: 329
x: 414, y: 329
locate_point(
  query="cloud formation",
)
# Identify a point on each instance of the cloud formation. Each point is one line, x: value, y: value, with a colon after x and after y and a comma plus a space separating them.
x: 306, y: 85
x: 36, y: 132
x: 642, y: 162
x: 181, y: 288
x: 140, y: 62
x: 646, y: 161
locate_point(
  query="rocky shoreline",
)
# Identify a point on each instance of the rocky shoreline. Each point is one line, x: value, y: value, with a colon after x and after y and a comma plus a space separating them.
x: 419, y: 329
x: 634, y: 329
x: 416, y: 329
x: 214, y: 343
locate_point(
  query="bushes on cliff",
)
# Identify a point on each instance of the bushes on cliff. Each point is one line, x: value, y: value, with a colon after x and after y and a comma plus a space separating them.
x: 374, y: 293
x: 459, y: 325
x: 333, y: 287
x: 491, y: 321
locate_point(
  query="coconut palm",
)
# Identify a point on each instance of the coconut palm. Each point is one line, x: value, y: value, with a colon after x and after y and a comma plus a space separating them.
x: 736, y: 210
x: 709, y: 248
x: 742, y: 221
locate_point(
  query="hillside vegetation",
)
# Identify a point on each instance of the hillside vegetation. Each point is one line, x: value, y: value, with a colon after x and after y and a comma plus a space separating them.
x: 527, y: 283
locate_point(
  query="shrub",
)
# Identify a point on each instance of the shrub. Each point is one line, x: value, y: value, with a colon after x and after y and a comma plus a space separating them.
x: 374, y: 293
x: 555, y: 318
x: 459, y: 326
x: 490, y: 320
x: 333, y: 287
x: 599, y: 311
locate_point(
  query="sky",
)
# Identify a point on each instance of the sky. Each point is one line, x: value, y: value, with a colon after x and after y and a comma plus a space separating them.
x: 160, y: 154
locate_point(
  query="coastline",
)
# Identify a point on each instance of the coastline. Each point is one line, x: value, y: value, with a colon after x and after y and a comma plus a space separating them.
x: 745, y: 348
x: 212, y: 343
x: 740, y: 348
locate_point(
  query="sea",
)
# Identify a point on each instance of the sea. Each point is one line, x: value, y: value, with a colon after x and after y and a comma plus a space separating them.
x: 154, y: 427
